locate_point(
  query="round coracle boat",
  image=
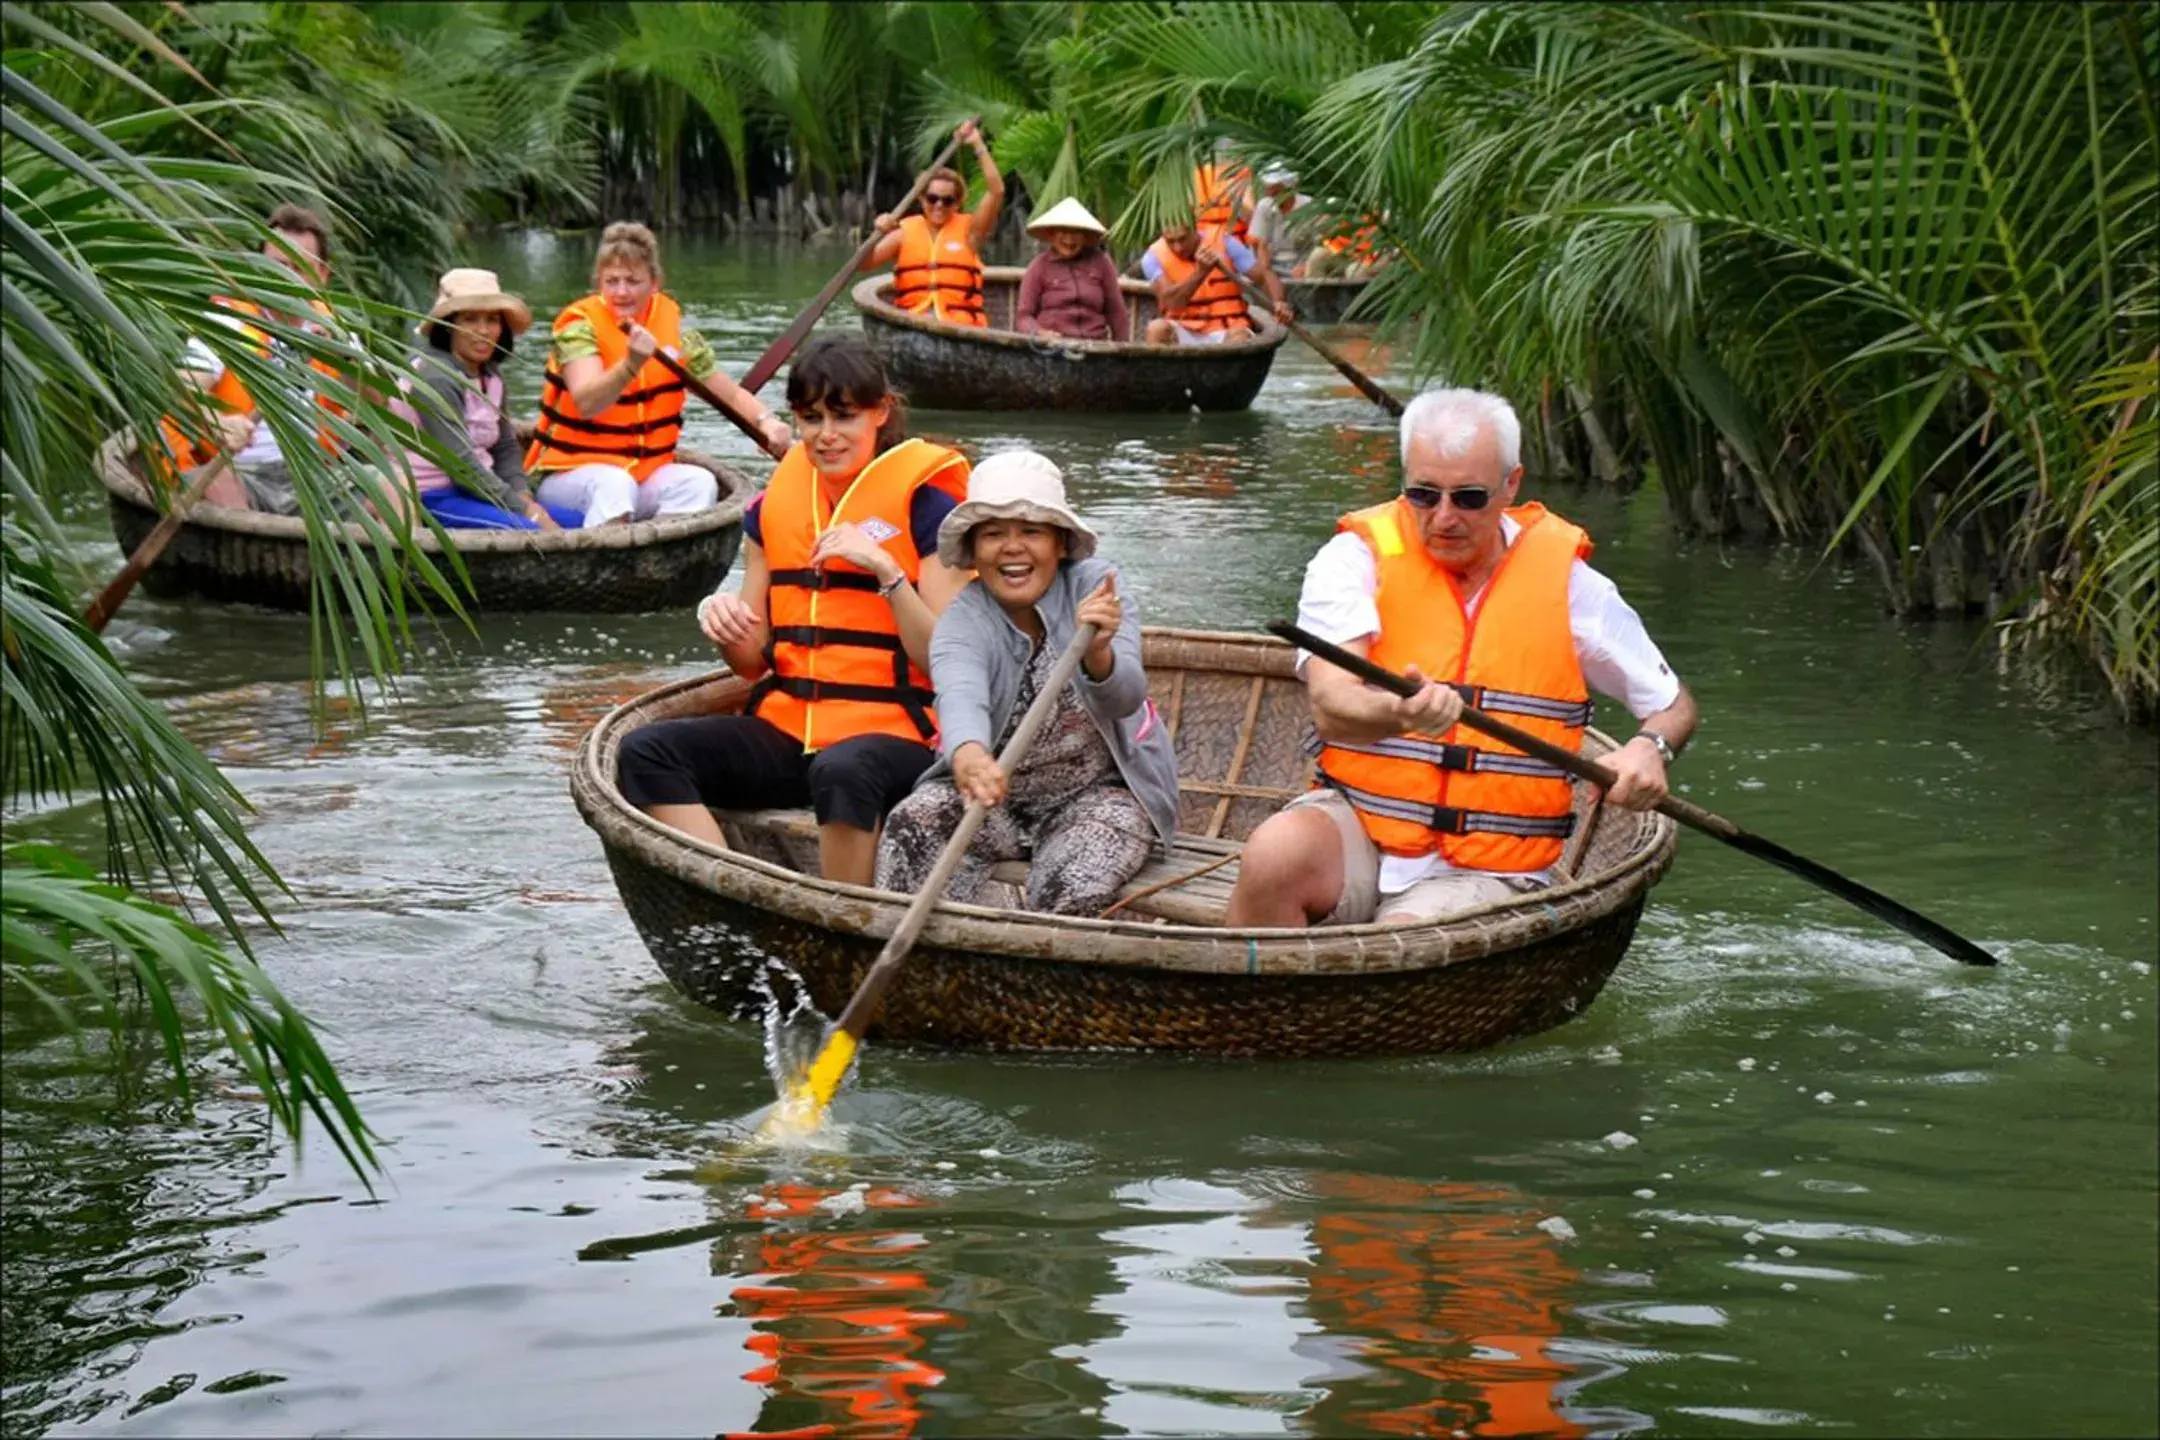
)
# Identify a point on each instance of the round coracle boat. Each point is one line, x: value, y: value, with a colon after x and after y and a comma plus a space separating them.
x: 1324, y: 302
x: 245, y: 556
x: 1164, y: 973
x: 940, y: 366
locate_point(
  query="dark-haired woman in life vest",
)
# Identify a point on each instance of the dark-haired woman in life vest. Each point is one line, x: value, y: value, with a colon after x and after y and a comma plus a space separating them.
x: 1201, y: 303
x: 1454, y: 586
x: 841, y: 591
x: 936, y: 256
x: 611, y: 413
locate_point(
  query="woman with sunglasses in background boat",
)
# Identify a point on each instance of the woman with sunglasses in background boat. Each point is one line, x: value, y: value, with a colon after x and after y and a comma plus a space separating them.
x: 1453, y: 584
x: 936, y: 259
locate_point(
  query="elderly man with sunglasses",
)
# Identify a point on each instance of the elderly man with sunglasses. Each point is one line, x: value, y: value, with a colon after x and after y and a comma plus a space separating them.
x: 1454, y: 585
x: 936, y: 256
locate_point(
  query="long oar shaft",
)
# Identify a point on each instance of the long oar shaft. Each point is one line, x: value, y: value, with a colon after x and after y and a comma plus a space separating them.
x: 711, y: 397
x: 110, y: 599
x: 1911, y: 921
x: 1373, y: 390
x: 831, y: 1065
x: 776, y: 354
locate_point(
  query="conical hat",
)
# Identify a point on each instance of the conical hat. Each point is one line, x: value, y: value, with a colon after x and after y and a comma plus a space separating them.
x: 1067, y: 214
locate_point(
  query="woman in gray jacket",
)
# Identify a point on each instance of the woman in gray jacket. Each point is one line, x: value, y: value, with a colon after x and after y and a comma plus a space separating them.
x: 1089, y: 802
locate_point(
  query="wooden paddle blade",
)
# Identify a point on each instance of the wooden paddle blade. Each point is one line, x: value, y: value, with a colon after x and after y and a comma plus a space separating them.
x: 1899, y: 917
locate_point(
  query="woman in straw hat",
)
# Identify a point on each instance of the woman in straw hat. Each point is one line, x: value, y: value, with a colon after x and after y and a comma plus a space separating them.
x: 470, y: 329
x: 1099, y: 787
x: 1071, y: 288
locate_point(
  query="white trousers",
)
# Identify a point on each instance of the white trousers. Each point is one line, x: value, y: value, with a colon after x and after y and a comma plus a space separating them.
x: 608, y: 492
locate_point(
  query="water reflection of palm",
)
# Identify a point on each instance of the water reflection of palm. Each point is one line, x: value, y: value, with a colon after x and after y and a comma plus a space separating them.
x: 1451, y: 1284
x: 838, y: 1314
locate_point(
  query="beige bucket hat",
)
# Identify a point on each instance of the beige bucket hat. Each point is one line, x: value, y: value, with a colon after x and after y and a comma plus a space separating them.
x: 1013, y: 485
x: 1067, y: 214
x: 462, y: 291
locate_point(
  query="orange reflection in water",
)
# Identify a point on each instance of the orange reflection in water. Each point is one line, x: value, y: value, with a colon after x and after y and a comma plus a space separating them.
x: 839, y: 1315
x: 1453, y: 1284
x: 570, y: 710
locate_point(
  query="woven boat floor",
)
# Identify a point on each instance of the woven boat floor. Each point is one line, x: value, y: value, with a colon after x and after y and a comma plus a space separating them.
x: 789, y: 837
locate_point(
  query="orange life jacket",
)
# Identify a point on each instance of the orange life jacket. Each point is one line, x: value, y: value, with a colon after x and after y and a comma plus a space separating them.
x: 1482, y: 805
x: 183, y: 447
x: 1217, y: 305
x: 637, y: 432
x: 1217, y: 194
x: 835, y: 665
x: 940, y: 273
x: 1357, y: 243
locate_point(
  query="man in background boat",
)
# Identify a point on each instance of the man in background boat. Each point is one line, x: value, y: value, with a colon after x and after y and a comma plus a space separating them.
x: 1193, y: 275
x: 256, y: 476
x: 936, y: 256
x: 1349, y: 254
x: 1452, y: 584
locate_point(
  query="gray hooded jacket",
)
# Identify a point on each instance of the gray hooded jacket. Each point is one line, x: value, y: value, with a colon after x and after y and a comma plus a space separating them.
x: 978, y: 658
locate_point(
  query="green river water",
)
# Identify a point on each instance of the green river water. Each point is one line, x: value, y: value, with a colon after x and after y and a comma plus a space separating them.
x: 1790, y: 1173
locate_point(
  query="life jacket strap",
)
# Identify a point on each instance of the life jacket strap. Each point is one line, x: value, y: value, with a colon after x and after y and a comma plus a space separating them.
x: 1445, y: 757
x: 1450, y: 820
x: 913, y: 699
x: 833, y: 635
x: 1575, y: 713
x: 816, y: 578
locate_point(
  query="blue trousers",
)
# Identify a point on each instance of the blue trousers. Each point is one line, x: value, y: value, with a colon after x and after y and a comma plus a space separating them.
x: 453, y: 509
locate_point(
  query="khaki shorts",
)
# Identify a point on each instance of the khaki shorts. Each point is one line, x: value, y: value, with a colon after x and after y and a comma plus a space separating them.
x: 1436, y: 895
x: 1188, y: 336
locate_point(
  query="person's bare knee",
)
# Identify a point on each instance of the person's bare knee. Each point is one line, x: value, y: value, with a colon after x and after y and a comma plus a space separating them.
x: 692, y: 819
x: 1291, y: 872
x: 1161, y: 332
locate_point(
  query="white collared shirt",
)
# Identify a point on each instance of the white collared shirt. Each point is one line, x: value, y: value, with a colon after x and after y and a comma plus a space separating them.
x: 1617, y: 655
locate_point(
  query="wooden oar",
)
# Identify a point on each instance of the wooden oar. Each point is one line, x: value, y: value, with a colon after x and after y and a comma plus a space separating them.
x: 115, y: 594
x: 1373, y: 389
x: 1875, y: 903
x: 711, y: 397
x: 776, y: 354
x: 803, y: 1108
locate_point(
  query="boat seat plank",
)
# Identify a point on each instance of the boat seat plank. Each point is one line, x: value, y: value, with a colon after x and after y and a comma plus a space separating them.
x: 789, y: 837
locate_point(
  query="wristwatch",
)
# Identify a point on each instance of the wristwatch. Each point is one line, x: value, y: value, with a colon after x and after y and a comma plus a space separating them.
x: 1664, y: 746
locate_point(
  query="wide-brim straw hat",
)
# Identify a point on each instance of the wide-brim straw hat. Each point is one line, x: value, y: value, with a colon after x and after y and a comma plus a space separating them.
x: 1067, y: 214
x: 460, y: 292
x: 1014, y: 485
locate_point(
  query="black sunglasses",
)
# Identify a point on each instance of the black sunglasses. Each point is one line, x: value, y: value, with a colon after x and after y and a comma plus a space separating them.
x: 929, y: 200
x: 1465, y: 497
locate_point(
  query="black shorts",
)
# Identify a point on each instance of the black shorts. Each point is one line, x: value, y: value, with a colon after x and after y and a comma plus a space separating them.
x: 740, y: 762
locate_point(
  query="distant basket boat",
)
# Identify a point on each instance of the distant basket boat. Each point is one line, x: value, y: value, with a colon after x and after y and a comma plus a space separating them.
x: 960, y: 367
x: 1164, y: 975
x: 1324, y: 302
x: 243, y: 556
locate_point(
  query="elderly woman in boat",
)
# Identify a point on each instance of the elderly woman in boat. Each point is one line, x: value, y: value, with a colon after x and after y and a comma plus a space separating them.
x: 610, y: 410
x: 936, y: 256
x: 471, y: 329
x: 1071, y: 288
x: 1089, y: 802
x: 843, y: 582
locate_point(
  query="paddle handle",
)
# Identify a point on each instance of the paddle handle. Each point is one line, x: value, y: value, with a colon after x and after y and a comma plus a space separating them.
x: 711, y: 397
x: 114, y: 595
x: 1372, y: 389
x: 1579, y: 766
x: 864, y: 1006
x: 776, y: 354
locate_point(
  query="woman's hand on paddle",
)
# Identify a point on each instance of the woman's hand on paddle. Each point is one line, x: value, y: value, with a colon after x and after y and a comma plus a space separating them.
x: 778, y: 433
x: 1100, y: 608
x: 885, y: 223
x: 1432, y: 711
x: 642, y: 342
x: 727, y: 620
x: 1641, y: 771
x: 848, y: 542
x: 976, y: 775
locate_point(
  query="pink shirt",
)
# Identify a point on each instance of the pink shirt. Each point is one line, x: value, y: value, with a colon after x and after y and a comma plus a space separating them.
x: 483, y: 422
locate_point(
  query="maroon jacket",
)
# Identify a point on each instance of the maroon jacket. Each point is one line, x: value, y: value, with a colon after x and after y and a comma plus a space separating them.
x: 1077, y: 298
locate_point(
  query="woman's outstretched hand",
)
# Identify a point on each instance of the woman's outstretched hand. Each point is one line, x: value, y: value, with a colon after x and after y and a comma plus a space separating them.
x: 977, y: 775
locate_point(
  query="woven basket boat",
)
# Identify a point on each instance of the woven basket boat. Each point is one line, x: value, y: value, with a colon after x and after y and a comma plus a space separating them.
x: 1165, y: 974
x: 1323, y: 302
x: 961, y: 367
x: 248, y: 557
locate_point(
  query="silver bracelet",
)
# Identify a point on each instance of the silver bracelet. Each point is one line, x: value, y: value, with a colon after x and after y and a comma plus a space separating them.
x: 885, y: 591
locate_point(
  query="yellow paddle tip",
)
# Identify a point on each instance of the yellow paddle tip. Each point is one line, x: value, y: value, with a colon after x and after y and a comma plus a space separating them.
x: 802, y: 1108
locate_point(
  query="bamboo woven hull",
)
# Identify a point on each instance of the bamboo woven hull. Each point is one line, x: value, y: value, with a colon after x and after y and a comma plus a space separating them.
x: 1323, y: 302
x: 954, y: 367
x: 244, y: 557
x: 983, y: 978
